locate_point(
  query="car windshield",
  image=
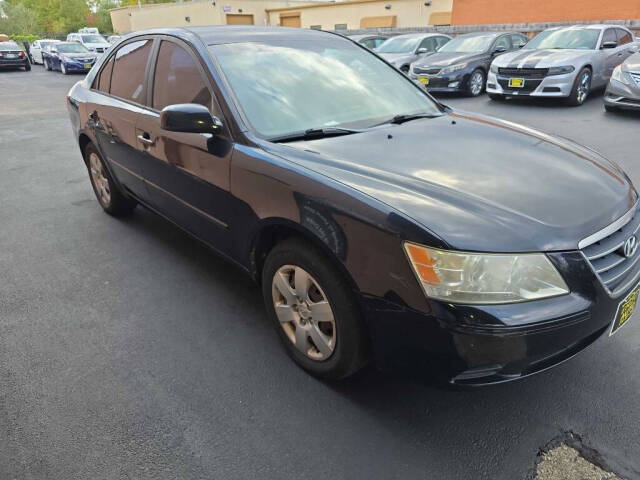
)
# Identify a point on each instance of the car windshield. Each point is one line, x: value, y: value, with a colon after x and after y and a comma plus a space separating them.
x: 476, y: 43
x: 93, y: 39
x: 9, y: 46
x: 399, y: 45
x: 72, y: 48
x: 284, y: 88
x: 582, y: 39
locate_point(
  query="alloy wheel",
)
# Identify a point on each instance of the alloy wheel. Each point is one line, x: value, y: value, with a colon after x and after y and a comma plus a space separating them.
x: 475, y: 83
x: 584, y: 85
x: 304, y: 312
x: 99, y: 180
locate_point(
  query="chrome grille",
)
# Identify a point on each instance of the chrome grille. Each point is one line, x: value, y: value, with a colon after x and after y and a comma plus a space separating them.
x: 636, y: 77
x: 426, y: 71
x: 604, y: 251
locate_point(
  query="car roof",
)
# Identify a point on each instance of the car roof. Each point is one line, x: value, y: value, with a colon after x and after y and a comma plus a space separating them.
x: 361, y: 36
x: 599, y: 26
x: 212, y: 35
x: 488, y: 34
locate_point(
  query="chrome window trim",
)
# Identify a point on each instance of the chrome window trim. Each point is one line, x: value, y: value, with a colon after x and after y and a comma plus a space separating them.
x: 608, y: 230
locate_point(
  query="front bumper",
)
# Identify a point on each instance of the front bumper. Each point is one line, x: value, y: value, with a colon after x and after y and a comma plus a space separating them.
x: 620, y: 95
x: 549, y: 86
x: 76, y: 67
x: 452, y: 82
x: 480, y: 345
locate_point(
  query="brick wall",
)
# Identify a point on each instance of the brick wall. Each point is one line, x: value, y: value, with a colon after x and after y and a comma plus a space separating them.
x: 479, y: 12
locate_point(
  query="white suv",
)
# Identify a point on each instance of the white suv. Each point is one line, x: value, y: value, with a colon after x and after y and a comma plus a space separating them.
x: 93, y: 42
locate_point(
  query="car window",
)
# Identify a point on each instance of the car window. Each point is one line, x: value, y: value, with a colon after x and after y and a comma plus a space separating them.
x: 127, y: 79
x: 429, y: 44
x: 401, y: 44
x: 609, y: 36
x: 624, y: 36
x: 442, y: 40
x: 104, y: 79
x: 178, y: 79
x: 369, y: 42
x: 503, y: 42
x: 518, y: 41
x: 468, y: 44
x: 569, y: 38
x: 378, y: 41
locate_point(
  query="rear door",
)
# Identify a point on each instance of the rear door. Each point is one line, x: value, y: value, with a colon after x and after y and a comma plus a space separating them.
x: 625, y: 41
x: 187, y: 173
x: 117, y: 98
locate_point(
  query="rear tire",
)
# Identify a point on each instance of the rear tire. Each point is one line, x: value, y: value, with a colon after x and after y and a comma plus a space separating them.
x: 581, y: 88
x: 27, y: 67
x: 107, y: 192
x: 308, y: 278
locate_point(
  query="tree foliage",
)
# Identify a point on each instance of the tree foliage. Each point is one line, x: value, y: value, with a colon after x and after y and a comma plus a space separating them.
x: 44, y: 16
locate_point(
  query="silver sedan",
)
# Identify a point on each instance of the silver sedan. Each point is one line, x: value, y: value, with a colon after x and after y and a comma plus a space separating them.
x: 623, y: 91
x: 566, y: 62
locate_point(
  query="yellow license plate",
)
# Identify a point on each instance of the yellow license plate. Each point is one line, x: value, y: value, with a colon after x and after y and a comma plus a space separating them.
x: 625, y: 310
x: 516, y: 82
x: 424, y: 80
x: 87, y: 66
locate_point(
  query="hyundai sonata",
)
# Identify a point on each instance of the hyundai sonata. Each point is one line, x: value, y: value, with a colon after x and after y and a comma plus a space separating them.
x: 378, y: 222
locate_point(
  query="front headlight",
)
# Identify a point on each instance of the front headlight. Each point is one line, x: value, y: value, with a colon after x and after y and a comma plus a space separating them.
x: 484, y: 278
x: 493, y: 68
x: 453, y: 68
x: 618, y: 75
x: 561, y: 70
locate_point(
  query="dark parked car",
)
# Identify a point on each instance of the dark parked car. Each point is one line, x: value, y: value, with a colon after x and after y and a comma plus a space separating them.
x: 12, y: 56
x: 378, y: 222
x: 368, y: 40
x: 462, y: 64
x: 68, y: 57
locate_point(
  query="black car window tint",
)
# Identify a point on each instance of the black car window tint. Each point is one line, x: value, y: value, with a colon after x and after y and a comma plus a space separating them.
x: 127, y: 79
x: 429, y: 44
x: 178, y: 79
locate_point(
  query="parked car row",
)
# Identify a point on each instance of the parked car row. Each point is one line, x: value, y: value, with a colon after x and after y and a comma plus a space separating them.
x: 560, y: 62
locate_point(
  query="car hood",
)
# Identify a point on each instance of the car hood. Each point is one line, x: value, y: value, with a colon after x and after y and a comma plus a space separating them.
x: 478, y: 183
x: 632, y: 64
x: 396, y: 58
x: 444, y: 59
x: 541, y: 58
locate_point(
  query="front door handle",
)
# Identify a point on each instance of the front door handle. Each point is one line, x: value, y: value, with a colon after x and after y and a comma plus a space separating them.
x: 146, y: 139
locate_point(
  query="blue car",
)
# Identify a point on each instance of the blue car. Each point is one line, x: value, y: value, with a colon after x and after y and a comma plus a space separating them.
x: 68, y: 57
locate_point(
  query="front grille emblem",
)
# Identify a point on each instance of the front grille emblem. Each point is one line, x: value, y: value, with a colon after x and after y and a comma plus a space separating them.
x: 630, y: 246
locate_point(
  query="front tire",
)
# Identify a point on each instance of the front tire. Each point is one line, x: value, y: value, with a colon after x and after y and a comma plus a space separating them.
x: 107, y: 192
x: 405, y: 69
x: 581, y: 88
x: 314, y: 311
x: 476, y: 83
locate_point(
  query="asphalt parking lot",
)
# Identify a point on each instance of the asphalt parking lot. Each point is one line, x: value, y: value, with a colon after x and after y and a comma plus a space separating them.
x: 127, y: 350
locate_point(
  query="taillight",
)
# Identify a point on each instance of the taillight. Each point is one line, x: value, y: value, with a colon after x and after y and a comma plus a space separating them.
x: 21, y: 54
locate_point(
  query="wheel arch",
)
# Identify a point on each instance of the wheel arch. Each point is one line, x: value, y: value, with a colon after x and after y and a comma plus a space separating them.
x: 83, y: 141
x: 275, y: 230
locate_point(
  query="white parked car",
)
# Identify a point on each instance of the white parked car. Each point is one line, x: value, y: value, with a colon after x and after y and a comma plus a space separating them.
x: 36, y: 48
x: 93, y: 42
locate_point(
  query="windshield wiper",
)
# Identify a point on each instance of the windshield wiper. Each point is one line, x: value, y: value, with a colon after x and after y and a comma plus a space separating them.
x: 314, y: 133
x: 407, y: 117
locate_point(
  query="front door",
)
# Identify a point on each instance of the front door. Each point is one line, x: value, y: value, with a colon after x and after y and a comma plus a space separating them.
x: 187, y: 173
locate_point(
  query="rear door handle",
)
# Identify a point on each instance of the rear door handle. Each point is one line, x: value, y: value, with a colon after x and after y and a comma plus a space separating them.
x: 146, y: 139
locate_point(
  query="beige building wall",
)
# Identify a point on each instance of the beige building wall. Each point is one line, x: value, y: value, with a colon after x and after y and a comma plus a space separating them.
x: 367, y: 14
x: 208, y: 12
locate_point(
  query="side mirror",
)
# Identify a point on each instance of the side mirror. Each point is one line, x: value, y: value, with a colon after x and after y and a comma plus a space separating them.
x: 499, y: 49
x: 422, y: 50
x: 611, y: 44
x: 189, y: 117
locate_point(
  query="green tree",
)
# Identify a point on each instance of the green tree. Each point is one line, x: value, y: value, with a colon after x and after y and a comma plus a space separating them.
x: 17, y: 19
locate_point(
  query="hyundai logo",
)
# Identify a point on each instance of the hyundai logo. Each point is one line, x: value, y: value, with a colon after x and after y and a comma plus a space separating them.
x: 630, y: 246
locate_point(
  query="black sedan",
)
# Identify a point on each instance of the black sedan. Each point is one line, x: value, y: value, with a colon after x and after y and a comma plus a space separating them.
x: 12, y: 56
x: 379, y: 223
x: 462, y: 64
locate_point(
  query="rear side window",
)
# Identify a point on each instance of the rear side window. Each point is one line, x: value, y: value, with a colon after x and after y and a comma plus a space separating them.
x: 178, y: 78
x: 104, y: 79
x: 127, y: 79
x: 623, y: 36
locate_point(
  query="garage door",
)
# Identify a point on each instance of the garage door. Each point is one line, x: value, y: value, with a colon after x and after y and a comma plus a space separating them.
x: 290, y: 20
x: 236, y: 19
x: 379, y: 22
